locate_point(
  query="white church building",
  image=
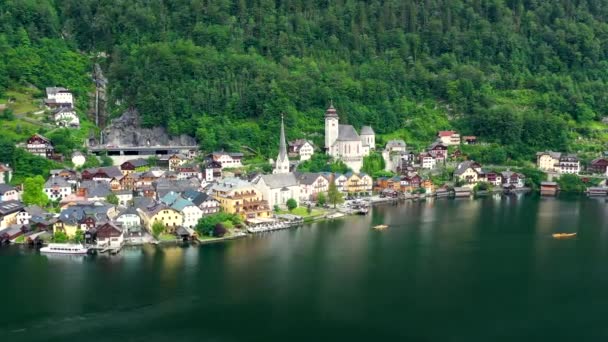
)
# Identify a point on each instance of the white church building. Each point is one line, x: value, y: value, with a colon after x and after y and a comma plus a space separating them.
x: 344, y: 143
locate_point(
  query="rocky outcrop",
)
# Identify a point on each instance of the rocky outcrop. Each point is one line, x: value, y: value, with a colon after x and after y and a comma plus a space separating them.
x: 126, y: 130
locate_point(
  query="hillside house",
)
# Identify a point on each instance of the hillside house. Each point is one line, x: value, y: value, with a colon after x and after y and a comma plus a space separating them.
x: 449, y: 138
x: 301, y: 148
x: 66, y: 117
x: 40, y: 146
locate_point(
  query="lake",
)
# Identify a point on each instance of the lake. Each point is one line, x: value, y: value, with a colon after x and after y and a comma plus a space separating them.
x: 445, y: 270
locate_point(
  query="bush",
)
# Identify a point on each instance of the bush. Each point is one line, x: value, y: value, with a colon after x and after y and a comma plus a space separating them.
x: 291, y: 204
x: 219, y: 230
x: 60, y: 237
x: 157, y: 228
x: 206, y: 225
x: 571, y: 183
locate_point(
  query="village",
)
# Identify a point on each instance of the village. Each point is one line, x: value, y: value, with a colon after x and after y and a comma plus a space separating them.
x: 202, y: 197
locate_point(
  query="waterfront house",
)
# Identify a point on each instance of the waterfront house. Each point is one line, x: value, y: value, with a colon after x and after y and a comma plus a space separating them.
x: 239, y: 197
x: 599, y: 165
x: 358, y: 183
x: 438, y: 150
x: 311, y: 185
x: 513, y: 179
x: 227, y: 159
x: 301, y: 148
x: 468, y: 172
x: 81, y: 217
x: 548, y: 161
x: 494, y: 178
x: 6, y: 174
x: 190, y: 212
x: 134, y: 165
x: 8, y: 193
x: 66, y: 117
x: 278, y: 188
x: 569, y: 164
x: 40, y: 146
x: 549, y: 188
x: 129, y: 219
x: 8, y: 213
x: 339, y: 180
x: 108, y: 235
x: 56, y: 188
x: 449, y: 138
x: 160, y: 212
x: 597, y: 191
x: 59, y: 97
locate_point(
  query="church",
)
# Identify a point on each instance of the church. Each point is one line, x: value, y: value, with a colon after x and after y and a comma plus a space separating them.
x: 344, y: 143
x: 281, y: 185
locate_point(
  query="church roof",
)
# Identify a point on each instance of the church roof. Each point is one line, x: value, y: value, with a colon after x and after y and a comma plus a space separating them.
x: 280, y: 180
x: 331, y: 111
x: 347, y: 133
x: 367, y: 130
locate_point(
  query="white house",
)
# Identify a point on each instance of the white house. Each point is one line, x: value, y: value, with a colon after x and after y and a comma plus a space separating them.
x: 427, y: 161
x: 190, y: 212
x: 278, y: 188
x: 59, y: 97
x: 129, y: 219
x: 57, y: 188
x: 339, y: 180
x: 302, y: 148
x: 449, y: 138
x: 227, y: 160
x: 311, y: 185
x: 344, y: 143
x: 124, y: 196
x: 66, y: 117
x: 8, y: 193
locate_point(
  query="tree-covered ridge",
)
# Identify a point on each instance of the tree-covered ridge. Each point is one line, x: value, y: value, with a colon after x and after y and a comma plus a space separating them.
x: 527, y: 74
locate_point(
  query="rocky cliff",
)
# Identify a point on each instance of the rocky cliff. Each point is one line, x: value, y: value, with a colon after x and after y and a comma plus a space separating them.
x: 126, y: 130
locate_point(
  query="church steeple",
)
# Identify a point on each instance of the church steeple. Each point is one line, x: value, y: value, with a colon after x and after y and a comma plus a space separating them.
x: 282, y: 163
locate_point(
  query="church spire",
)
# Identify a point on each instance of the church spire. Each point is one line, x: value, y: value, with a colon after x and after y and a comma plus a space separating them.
x: 282, y: 144
x: 282, y: 162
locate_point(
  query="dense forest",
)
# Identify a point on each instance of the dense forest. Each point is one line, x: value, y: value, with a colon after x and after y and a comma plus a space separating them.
x: 526, y: 74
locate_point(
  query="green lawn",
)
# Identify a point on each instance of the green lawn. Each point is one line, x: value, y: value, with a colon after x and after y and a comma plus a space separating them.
x: 24, y: 101
x: 302, y: 211
x: 167, y: 237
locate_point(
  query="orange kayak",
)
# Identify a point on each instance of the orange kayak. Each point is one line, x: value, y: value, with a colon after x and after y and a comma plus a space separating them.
x: 563, y: 235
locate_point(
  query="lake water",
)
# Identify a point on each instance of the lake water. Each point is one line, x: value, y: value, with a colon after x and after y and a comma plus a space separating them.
x: 446, y: 270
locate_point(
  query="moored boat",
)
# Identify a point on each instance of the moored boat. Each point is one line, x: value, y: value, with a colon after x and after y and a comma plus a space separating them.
x: 563, y: 235
x: 380, y: 227
x: 64, y: 248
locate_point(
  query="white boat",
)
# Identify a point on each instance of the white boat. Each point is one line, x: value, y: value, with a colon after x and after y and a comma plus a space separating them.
x: 64, y: 248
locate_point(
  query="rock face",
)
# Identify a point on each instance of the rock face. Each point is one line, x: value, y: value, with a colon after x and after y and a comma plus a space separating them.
x: 127, y: 131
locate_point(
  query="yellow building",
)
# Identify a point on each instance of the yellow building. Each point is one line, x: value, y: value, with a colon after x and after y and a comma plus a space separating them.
x: 239, y: 197
x: 548, y: 161
x: 169, y: 217
x: 8, y: 213
x: 357, y: 183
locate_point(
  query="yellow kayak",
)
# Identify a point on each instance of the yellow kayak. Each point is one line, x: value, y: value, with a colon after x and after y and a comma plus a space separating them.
x: 380, y: 227
x: 563, y: 235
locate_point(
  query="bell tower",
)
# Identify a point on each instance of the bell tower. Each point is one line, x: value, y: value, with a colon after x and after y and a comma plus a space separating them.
x: 331, y: 126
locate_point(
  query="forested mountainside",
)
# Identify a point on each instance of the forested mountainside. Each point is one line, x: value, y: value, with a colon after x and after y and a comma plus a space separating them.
x: 528, y: 74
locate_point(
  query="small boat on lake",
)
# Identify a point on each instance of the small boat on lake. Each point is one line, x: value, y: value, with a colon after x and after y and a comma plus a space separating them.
x: 380, y: 227
x: 563, y: 235
x: 64, y: 248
